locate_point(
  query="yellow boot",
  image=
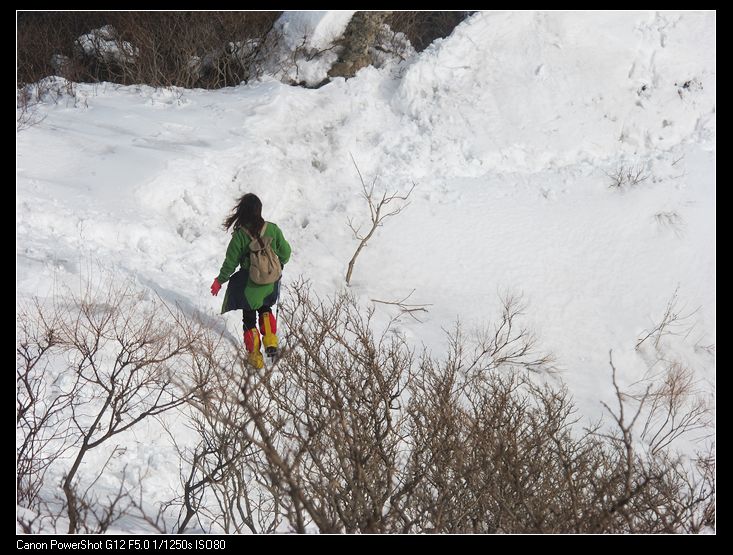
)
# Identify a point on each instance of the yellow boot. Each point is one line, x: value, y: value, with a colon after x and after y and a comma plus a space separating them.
x: 268, y: 327
x: 252, y: 344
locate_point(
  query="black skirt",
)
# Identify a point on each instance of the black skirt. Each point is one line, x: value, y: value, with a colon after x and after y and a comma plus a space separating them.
x: 235, y: 299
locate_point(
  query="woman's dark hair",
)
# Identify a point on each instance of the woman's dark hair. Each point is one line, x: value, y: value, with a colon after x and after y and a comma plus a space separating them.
x: 247, y: 213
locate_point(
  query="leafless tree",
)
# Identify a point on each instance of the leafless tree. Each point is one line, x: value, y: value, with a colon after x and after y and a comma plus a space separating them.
x: 377, y: 214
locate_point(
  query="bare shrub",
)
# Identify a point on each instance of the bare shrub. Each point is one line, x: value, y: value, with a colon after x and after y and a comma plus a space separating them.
x: 42, y: 408
x: 186, y: 49
x: 113, y: 359
x: 26, y: 110
x: 323, y: 419
x: 509, y: 343
x: 675, y: 321
x: 628, y: 176
x: 218, y: 492
x: 222, y: 473
x: 223, y: 477
x: 196, y: 49
x: 671, y: 220
x: 29, y: 97
x: 190, y: 49
x: 351, y: 432
x: 659, y: 492
x: 43, y: 36
x: 674, y: 407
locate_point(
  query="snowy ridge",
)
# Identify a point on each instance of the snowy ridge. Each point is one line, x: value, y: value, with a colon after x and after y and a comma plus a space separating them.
x: 559, y: 89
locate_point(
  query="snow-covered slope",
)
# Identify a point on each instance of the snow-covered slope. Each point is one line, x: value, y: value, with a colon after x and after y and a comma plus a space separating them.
x: 508, y: 128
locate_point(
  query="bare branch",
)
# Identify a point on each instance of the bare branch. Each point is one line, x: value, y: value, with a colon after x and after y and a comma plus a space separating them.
x: 375, y: 214
x: 405, y: 308
x: 671, y: 322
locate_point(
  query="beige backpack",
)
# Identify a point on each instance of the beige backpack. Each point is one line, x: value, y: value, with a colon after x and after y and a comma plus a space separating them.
x: 264, y: 265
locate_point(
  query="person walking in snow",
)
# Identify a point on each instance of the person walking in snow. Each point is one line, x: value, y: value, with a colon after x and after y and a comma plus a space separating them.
x: 255, y: 287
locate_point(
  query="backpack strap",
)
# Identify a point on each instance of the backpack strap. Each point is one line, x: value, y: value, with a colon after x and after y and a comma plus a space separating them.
x: 259, y: 237
x: 262, y: 231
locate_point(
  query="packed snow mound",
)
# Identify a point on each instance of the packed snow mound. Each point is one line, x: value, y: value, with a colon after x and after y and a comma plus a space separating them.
x: 313, y: 30
x: 516, y: 90
x: 303, y: 52
x: 307, y: 46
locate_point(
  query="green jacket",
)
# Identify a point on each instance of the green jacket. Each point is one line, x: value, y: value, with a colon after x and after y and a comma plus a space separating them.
x: 238, y: 255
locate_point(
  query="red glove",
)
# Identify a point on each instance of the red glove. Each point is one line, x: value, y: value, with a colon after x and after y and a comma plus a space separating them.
x: 215, y: 287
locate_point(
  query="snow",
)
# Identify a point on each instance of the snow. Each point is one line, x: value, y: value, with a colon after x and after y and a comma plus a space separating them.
x: 103, y: 43
x: 314, y: 29
x: 543, y: 101
x: 306, y: 51
x: 508, y: 128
